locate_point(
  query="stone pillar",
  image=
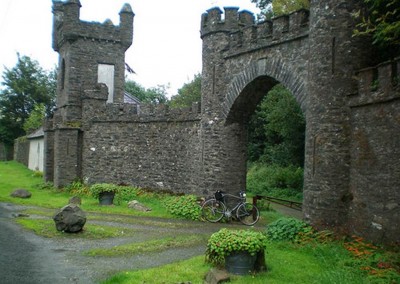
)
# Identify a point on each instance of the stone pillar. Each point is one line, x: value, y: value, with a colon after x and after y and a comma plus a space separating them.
x: 334, y: 57
x: 48, y: 174
x: 223, y: 146
x: 67, y: 156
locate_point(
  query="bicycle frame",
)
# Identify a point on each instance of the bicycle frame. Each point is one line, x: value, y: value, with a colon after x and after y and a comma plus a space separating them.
x: 214, y: 209
x: 241, y: 197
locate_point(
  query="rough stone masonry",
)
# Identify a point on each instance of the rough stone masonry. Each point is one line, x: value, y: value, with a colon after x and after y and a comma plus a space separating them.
x: 352, y: 176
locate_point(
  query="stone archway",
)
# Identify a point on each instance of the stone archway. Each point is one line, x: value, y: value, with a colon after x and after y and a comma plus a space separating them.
x: 268, y: 72
x: 316, y: 57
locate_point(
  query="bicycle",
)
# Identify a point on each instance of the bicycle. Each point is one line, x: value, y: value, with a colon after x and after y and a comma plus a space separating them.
x: 214, y: 209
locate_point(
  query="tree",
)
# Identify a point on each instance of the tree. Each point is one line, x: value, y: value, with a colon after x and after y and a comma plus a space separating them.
x: 35, y: 118
x: 276, y: 130
x: 381, y: 20
x: 26, y: 86
x: 135, y: 89
x: 264, y: 6
x: 155, y: 95
x: 188, y: 94
x: 282, y: 7
x: 274, y: 8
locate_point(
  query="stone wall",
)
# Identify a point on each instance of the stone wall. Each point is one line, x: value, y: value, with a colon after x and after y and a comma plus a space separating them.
x: 6, y: 152
x: 21, y: 151
x: 147, y: 146
x: 375, y: 153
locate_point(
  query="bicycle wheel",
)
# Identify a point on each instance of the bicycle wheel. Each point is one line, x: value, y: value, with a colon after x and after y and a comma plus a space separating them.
x: 213, y: 210
x: 248, y: 214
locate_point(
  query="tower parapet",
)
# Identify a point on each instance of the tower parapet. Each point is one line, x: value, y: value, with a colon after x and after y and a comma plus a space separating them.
x: 126, y: 16
x: 97, y: 109
x: 68, y: 27
x: 246, y: 34
x: 378, y: 84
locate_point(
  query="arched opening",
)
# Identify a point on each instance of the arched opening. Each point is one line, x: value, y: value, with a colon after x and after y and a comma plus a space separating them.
x: 247, y: 101
x: 276, y: 142
x: 277, y: 169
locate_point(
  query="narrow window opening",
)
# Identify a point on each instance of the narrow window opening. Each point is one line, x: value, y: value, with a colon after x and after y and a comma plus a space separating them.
x: 105, y: 74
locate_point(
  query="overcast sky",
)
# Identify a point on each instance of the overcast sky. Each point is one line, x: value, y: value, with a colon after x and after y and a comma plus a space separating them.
x: 166, y: 45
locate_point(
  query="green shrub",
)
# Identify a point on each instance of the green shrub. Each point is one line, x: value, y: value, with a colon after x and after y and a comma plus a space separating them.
x: 274, y: 180
x: 224, y: 242
x: 126, y: 194
x: 45, y: 186
x: 37, y: 174
x: 78, y: 188
x: 287, y: 229
x: 185, y: 206
x: 98, y: 188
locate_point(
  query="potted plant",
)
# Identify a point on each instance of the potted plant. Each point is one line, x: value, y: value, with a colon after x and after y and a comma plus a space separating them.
x: 237, y: 250
x: 105, y: 192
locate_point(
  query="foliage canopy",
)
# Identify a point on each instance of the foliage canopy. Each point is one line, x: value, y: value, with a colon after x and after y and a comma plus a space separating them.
x: 380, y: 19
x: 188, y: 94
x: 276, y: 130
x: 27, y: 85
x: 154, y: 95
x: 274, y: 8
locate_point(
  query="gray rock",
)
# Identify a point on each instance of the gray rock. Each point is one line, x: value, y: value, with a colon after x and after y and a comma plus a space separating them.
x: 70, y: 219
x: 75, y: 200
x: 215, y: 276
x: 21, y: 193
x: 134, y: 204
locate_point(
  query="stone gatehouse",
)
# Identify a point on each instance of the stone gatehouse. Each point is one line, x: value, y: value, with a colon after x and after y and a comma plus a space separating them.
x: 352, y: 155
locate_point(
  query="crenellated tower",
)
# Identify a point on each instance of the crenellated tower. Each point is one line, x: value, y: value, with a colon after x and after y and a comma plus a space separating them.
x: 233, y: 39
x: 89, y: 53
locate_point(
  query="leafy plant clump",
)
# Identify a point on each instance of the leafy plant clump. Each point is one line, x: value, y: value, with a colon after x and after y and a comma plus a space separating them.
x: 37, y: 173
x: 185, y: 206
x: 287, y: 229
x: 45, y: 185
x: 98, y: 188
x: 78, y: 188
x: 380, y: 265
x: 225, y: 242
x: 126, y: 194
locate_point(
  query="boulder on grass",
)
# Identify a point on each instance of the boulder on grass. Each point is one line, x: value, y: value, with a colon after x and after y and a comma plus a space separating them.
x: 21, y: 193
x: 75, y: 200
x: 70, y: 219
x: 216, y: 276
x: 136, y: 205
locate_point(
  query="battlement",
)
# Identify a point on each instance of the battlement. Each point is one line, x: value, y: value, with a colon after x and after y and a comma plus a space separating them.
x: 68, y: 27
x: 96, y: 109
x: 378, y: 84
x: 246, y: 32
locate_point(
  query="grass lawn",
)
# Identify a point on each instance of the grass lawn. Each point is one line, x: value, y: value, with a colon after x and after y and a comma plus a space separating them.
x: 14, y: 175
x: 287, y: 263
x: 314, y: 260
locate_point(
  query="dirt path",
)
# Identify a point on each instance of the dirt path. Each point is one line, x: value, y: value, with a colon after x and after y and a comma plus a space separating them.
x: 34, y: 259
x: 287, y: 211
x: 28, y: 258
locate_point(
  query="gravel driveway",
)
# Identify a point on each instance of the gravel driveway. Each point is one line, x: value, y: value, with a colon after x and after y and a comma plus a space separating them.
x: 28, y: 258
